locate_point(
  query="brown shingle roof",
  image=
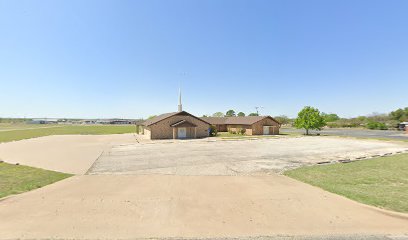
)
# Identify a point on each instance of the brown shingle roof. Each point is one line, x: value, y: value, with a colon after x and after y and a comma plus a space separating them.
x: 158, y: 118
x: 161, y: 117
x: 215, y: 120
x: 248, y: 120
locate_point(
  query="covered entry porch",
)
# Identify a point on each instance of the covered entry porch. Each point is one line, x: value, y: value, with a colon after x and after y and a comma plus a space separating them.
x: 184, y: 129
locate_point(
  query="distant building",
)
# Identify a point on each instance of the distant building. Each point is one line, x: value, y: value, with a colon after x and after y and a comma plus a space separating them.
x: 44, y: 121
x: 115, y: 121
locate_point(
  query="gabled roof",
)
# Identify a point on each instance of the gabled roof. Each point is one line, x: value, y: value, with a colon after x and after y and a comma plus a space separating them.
x: 158, y: 118
x: 164, y: 116
x: 248, y: 120
x: 183, y: 123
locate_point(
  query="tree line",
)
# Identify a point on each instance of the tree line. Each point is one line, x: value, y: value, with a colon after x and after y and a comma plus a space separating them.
x: 230, y: 113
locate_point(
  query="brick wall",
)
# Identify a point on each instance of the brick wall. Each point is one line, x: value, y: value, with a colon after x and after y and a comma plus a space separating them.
x: 163, y: 130
x: 257, y: 128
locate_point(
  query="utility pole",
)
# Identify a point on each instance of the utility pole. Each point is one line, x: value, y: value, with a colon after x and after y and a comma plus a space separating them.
x: 257, y: 112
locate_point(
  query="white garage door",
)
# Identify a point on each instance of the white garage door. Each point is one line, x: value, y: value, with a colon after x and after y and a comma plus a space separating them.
x: 266, y: 130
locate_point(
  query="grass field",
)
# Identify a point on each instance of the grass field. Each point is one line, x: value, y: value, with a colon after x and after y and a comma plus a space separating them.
x: 16, y: 179
x: 16, y: 126
x: 381, y: 182
x: 8, y: 133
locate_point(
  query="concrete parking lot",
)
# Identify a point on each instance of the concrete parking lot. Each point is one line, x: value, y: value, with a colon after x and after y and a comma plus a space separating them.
x: 238, y: 157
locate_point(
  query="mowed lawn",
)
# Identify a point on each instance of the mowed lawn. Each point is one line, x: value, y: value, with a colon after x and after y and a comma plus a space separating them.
x: 16, y: 179
x: 381, y: 182
x: 47, y: 130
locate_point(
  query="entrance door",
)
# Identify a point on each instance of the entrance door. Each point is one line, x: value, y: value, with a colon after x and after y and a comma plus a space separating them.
x: 181, y: 132
x: 266, y: 130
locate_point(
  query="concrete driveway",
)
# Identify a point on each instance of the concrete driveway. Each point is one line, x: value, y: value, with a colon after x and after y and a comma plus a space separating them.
x: 239, y: 157
x: 165, y: 206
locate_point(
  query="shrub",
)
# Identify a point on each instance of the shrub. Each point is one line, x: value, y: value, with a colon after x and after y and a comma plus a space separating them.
x: 242, y: 131
x: 231, y: 131
x: 213, y: 131
x: 376, y: 125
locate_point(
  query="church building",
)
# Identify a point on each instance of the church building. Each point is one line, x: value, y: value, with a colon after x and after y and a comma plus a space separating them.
x: 176, y: 125
x: 183, y: 125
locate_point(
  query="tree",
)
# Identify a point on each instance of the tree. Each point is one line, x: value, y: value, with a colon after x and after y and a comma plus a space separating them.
x: 241, y: 114
x: 399, y: 114
x: 218, y: 114
x: 253, y: 114
x: 152, y: 116
x: 331, y: 117
x: 230, y: 113
x: 282, y: 119
x: 309, y: 118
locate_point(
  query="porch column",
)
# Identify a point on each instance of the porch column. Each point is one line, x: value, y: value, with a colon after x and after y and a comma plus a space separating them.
x: 174, y: 133
x: 195, y: 132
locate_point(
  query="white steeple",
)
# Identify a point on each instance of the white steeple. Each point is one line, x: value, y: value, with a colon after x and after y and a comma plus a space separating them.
x: 180, y: 106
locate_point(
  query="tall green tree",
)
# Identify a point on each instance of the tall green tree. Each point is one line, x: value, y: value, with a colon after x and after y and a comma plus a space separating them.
x: 310, y: 118
x: 230, y: 113
x: 241, y: 114
x: 399, y: 114
x: 218, y: 114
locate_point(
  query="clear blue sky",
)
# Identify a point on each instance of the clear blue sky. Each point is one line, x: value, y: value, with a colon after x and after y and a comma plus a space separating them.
x: 125, y: 59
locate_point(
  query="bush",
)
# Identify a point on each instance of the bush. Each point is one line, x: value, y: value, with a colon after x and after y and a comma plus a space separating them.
x: 376, y: 125
x: 344, y: 124
x: 231, y: 131
x: 241, y: 131
x: 213, y: 131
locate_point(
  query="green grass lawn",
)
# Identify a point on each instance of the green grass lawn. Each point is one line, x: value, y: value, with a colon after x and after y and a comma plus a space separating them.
x: 381, y: 182
x: 16, y: 179
x: 14, y: 126
x: 21, y: 133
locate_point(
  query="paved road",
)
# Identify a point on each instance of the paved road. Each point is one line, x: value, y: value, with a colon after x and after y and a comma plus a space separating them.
x: 365, y: 133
